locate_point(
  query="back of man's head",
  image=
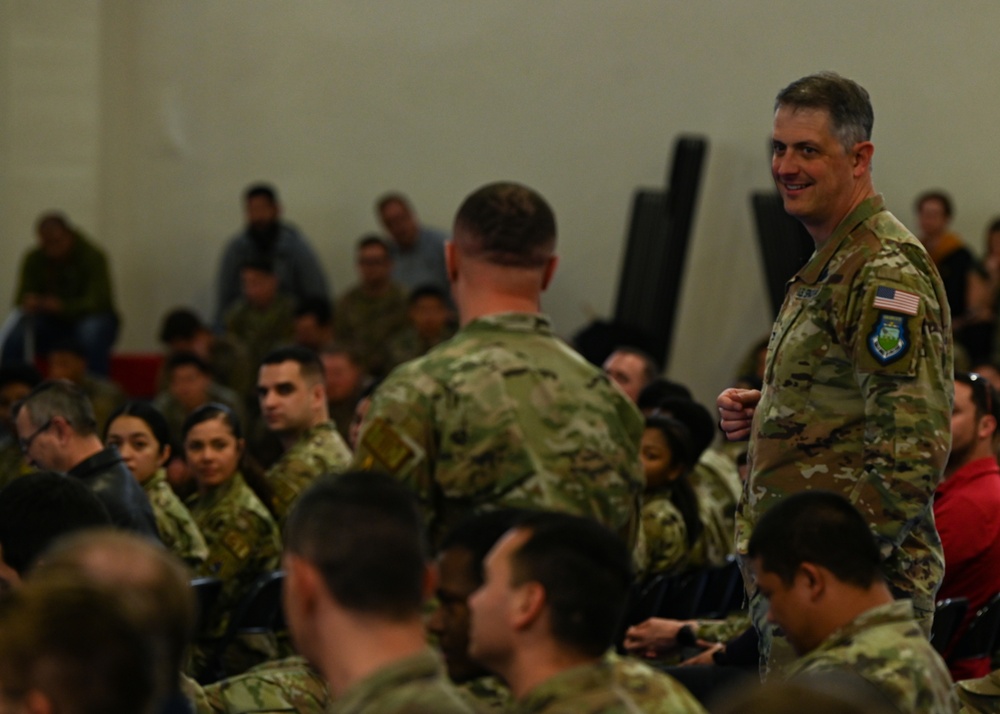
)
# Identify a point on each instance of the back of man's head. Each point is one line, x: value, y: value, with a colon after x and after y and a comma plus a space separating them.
x: 156, y: 584
x: 846, y: 101
x: 585, y: 570
x: 57, y: 398
x: 37, y: 509
x: 75, y: 648
x: 310, y: 365
x: 506, y: 224
x: 478, y: 533
x: 364, y: 534
x: 821, y: 528
x: 180, y: 324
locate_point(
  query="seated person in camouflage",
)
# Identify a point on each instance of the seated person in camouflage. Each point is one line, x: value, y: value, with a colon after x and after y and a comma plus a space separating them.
x: 460, y: 573
x: 631, y: 369
x: 190, y: 385
x: 262, y: 318
x: 242, y: 535
x: 16, y: 382
x: 371, y: 313
x: 431, y: 322
x: 285, y: 685
x: 345, y: 383
x: 504, y: 413
x: 156, y: 586
x: 141, y: 435
x: 545, y: 616
x: 227, y: 358
x: 671, y: 524
x: 313, y: 328
x: 293, y: 405
x: 68, y: 361
x: 357, y: 577
x: 980, y: 696
x: 817, y: 563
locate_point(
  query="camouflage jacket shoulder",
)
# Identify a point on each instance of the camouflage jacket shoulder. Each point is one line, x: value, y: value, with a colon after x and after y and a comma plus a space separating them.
x: 664, y: 536
x: 505, y: 413
x: 980, y: 696
x: 654, y: 692
x: 585, y: 689
x: 177, y: 526
x: 321, y: 450
x: 858, y: 391
x: 886, y: 647
x: 486, y: 694
x: 287, y: 685
x: 415, y: 685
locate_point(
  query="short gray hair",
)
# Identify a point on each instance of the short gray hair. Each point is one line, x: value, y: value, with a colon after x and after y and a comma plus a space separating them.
x: 60, y: 398
x: 847, y: 102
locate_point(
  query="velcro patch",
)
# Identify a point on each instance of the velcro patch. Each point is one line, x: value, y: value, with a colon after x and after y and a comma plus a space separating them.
x: 890, y: 339
x: 236, y: 544
x: 900, y: 301
x: 386, y: 445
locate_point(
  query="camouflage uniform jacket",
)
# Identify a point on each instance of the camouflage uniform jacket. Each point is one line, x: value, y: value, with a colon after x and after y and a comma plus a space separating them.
x: 285, y: 685
x: 716, y: 482
x: 664, y: 536
x: 858, y: 394
x: 369, y: 324
x: 887, y: 648
x: 486, y: 694
x: 407, y: 344
x: 415, y: 685
x: 261, y: 330
x: 242, y: 537
x: 505, y: 414
x: 980, y: 696
x: 178, y: 531
x: 320, y: 450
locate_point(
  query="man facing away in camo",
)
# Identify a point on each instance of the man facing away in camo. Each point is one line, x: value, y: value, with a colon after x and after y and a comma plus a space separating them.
x: 504, y: 413
x: 858, y: 388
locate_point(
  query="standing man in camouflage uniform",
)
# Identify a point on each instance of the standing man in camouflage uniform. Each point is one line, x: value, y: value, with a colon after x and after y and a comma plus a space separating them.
x: 293, y: 404
x: 357, y: 576
x: 816, y: 562
x: 858, y: 382
x: 504, y: 413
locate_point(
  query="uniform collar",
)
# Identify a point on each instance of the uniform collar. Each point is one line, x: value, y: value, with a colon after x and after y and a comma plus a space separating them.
x: 816, y: 267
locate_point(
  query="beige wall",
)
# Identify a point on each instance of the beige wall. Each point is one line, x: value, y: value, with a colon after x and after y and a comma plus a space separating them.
x: 144, y: 120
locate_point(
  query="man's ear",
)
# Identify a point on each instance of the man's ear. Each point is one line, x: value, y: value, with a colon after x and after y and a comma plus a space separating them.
x: 549, y: 270
x: 863, y: 152
x: 451, y: 260
x: 304, y: 584
x: 430, y: 582
x: 528, y: 603
x: 814, y: 579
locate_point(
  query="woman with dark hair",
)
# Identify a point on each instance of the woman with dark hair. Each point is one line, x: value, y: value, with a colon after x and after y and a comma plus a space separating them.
x: 141, y: 435
x: 242, y: 536
x: 671, y: 525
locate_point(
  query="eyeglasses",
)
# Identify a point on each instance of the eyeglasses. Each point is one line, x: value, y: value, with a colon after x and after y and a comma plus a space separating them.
x: 979, y: 383
x: 26, y: 443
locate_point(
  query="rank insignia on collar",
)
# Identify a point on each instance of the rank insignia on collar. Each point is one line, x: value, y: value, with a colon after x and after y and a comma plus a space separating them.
x: 889, y: 341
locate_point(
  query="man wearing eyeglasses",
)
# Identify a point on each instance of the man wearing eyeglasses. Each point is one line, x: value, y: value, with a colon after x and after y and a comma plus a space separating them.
x: 967, y: 508
x: 57, y: 432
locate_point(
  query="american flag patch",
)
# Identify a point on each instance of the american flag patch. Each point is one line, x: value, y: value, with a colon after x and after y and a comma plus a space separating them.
x: 896, y: 300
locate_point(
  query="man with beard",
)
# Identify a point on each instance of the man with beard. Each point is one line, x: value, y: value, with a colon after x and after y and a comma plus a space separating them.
x: 267, y: 236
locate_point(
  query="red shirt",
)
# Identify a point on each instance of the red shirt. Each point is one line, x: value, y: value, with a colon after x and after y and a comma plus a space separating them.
x: 967, y: 512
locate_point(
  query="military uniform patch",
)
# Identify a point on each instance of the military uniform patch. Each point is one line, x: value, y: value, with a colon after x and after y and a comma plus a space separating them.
x: 236, y: 544
x: 889, y: 340
x: 386, y: 445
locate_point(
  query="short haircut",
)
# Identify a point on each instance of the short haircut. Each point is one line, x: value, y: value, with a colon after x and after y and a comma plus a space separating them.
x: 68, y: 344
x: 936, y: 195
x: 586, y: 572
x: 186, y: 359
x: 365, y: 535
x: 507, y: 224
x: 52, y: 218
x: 76, y: 643
x: 318, y: 307
x: 650, y: 367
x: 59, y: 398
x: 20, y: 374
x: 155, y: 582
x: 661, y: 388
x: 149, y: 414
x: 370, y: 239
x: 260, y: 263
x: 38, y: 508
x: 478, y: 533
x: 308, y: 361
x: 994, y: 226
x: 427, y: 291
x: 818, y: 527
x: 984, y: 396
x: 261, y: 190
x: 348, y: 351
x: 180, y: 324
x: 846, y: 101
x: 213, y: 410
x: 392, y: 197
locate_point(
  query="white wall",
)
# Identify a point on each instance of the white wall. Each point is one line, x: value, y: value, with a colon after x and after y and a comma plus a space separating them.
x: 144, y: 120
